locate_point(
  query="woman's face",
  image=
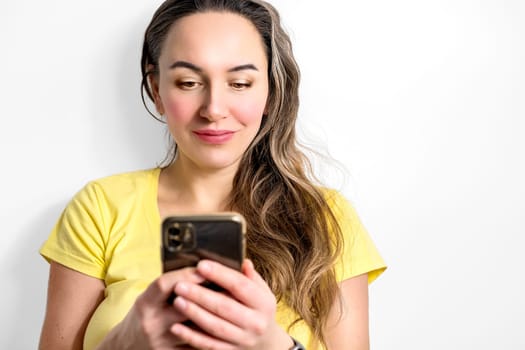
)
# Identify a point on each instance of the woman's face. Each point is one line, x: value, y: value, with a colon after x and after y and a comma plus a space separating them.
x: 212, y: 87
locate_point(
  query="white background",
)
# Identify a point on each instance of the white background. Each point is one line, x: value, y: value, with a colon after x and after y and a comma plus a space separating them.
x: 422, y: 101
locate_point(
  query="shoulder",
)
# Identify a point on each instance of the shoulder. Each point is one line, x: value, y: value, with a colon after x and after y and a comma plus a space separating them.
x: 338, y: 203
x: 359, y: 254
x: 124, y: 183
x: 348, y: 221
x: 117, y: 189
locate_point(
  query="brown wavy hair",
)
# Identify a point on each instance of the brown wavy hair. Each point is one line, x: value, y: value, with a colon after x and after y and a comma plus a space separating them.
x: 293, y: 237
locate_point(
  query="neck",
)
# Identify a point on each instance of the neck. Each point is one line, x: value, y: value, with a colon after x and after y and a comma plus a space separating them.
x: 184, y: 188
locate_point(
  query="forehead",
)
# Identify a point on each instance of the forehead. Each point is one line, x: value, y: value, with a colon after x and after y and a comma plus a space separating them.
x: 213, y: 38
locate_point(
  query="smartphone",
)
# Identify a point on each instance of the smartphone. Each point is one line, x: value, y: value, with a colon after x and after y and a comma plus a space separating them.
x: 186, y: 239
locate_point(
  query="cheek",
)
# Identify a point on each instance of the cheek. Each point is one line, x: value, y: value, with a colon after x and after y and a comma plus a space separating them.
x: 180, y: 110
x: 249, y: 112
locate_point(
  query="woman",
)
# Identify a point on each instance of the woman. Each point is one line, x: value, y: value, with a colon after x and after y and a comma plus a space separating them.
x: 223, y: 78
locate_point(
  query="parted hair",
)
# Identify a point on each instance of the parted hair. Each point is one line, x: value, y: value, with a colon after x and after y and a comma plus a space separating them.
x: 293, y: 237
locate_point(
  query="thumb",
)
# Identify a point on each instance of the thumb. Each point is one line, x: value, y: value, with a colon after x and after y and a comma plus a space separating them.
x: 248, y: 269
x: 162, y: 288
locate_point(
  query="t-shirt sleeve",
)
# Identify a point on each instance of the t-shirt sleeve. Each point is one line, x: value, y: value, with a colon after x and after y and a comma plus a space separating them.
x: 359, y: 253
x: 77, y: 240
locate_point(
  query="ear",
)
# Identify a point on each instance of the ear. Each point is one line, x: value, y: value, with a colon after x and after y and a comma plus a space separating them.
x: 153, y: 82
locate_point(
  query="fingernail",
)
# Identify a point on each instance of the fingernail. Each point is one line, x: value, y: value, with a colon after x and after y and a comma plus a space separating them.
x: 181, y: 288
x: 180, y: 302
x: 204, y: 266
x: 176, y: 329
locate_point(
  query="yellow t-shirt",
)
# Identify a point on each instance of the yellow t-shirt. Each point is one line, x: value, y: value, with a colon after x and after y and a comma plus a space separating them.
x: 111, y: 230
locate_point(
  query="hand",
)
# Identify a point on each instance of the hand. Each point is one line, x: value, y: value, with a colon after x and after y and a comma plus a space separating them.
x: 243, y: 317
x: 148, y: 323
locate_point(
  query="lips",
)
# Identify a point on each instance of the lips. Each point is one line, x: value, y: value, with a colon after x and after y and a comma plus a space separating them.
x: 214, y: 136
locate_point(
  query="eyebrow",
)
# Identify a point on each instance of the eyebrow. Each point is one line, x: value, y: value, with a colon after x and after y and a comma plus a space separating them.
x: 184, y: 64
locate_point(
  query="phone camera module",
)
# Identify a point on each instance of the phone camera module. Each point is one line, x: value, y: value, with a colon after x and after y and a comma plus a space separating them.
x: 180, y: 237
x: 174, y: 237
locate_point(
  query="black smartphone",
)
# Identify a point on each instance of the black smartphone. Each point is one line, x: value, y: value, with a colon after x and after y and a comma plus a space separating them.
x: 186, y: 239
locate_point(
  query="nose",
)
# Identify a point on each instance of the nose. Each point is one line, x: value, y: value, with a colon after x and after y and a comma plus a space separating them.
x: 214, y: 106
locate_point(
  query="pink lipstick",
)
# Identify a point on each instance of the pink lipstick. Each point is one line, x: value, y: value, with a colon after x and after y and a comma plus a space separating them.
x: 214, y: 136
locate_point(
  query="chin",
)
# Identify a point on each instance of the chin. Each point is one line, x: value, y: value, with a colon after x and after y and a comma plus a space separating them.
x: 218, y: 163
x: 222, y: 165
x: 211, y: 159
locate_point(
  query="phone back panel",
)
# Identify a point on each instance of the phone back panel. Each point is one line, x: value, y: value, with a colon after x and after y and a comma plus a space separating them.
x: 188, y: 239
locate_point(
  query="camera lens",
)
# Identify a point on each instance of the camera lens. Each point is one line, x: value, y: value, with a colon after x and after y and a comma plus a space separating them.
x: 174, y: 238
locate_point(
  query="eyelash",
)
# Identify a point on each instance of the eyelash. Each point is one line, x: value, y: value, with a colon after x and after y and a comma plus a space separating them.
x: 240, y: 85
x: 187, y: 84
x: 190, y: 85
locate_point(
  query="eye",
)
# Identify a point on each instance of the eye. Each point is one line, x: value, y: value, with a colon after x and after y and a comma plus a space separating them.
x: 187, y: 84
x: 240, y: 85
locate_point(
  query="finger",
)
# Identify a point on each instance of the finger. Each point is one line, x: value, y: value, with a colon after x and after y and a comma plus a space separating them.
x: 249, y: 271
x: 160, y: 289
x: 214, y: 312
x: 197, y: 339
x: 236, y: 283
